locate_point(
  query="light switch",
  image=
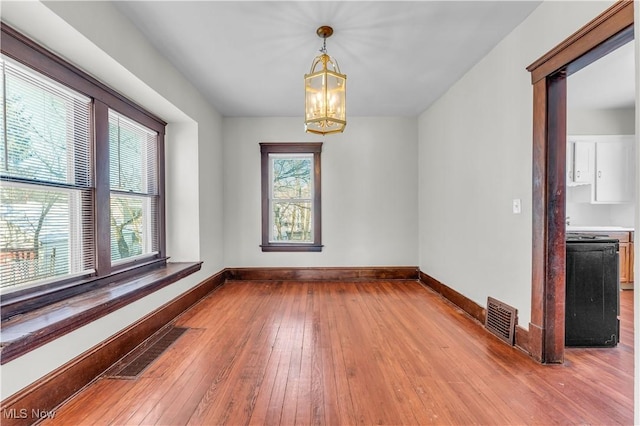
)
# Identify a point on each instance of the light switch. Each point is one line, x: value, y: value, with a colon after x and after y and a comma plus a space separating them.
x: 517, y: 206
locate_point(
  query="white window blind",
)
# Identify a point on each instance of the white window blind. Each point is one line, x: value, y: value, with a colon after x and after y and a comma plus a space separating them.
x: 46, y: 209
x: 133, y: 180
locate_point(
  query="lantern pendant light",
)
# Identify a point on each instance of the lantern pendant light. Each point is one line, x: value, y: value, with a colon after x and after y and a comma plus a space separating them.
x: 325, y: 92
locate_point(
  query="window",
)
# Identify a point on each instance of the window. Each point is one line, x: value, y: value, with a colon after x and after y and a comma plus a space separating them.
x: 80, y: 172
x: 47, y: 185
x: 291, y: 196
x: 133, y: 187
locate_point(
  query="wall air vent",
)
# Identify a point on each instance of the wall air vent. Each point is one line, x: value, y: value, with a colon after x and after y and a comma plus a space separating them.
x: 501, y: 320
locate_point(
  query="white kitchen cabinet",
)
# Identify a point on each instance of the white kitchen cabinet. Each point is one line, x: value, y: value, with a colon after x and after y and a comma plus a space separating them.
x: 605, y: 162
x: 569, y: 168
x: 582, y: 154
x: 614, y: 170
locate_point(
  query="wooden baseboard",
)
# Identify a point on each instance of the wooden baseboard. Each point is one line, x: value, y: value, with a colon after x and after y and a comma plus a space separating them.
x: 324, y: 274
x: 53, y: 389
x: 530, y: 341
x: 525, y: 340
x: 469, y: 306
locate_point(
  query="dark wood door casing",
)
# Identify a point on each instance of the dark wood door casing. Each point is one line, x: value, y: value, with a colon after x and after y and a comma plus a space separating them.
x: 605, y: 33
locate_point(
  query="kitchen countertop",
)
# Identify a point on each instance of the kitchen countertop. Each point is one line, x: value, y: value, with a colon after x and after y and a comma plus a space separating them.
x: 577, y: 228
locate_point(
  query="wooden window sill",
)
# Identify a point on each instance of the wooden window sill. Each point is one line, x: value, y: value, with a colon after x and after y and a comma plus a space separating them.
x: 291, y: 247
x: 24, y: 332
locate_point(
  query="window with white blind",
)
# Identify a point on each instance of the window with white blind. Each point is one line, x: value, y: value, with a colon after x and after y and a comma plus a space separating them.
x: 133, y: 185
x: 80, y: 188
x: 82, y: 220
x: 46, y: 209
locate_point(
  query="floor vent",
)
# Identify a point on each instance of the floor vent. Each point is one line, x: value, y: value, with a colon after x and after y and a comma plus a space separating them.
x: 501, y: 320
x: 132, y: 365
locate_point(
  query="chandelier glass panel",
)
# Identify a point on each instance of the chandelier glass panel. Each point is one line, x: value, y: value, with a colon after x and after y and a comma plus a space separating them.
x: 325, y: 92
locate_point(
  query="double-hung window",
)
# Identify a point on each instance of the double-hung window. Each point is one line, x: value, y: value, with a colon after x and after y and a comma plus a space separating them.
x: 81, y: 179
x: 291, y: 196
x: 133, y: 189
x: 46, y: 210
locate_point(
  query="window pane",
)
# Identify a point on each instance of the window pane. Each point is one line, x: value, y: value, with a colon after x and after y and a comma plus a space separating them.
x: 47, y: 130
x: 133, y: 169
x: 132, y: 156
x: 126, y: 227
x: 292, y: 222
x: 132, y: 226
x: 292, y: 177
x: 41, y: 230
x: 46, y: 220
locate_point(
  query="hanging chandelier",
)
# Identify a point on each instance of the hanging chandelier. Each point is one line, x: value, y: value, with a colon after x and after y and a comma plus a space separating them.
x: 325, y: 92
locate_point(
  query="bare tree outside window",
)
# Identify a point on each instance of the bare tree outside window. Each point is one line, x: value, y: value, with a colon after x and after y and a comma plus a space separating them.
x: 292, y: 183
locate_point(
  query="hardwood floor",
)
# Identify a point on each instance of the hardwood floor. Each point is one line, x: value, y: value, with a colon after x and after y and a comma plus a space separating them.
x: 338, y: 353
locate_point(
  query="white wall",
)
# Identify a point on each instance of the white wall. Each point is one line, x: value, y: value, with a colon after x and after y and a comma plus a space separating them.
x: 475, y: 151
x: 95, y: 37
x: 601, y: 121
x: 369, y: 192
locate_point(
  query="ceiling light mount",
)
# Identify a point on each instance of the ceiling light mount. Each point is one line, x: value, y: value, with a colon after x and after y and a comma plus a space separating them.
x: 325, y: 92
x: 324, y: 31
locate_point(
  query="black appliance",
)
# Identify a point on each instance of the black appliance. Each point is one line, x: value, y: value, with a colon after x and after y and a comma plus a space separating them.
x: 592, y: 299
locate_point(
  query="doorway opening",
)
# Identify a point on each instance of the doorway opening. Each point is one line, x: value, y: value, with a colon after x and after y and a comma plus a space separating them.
x: 612, y: 29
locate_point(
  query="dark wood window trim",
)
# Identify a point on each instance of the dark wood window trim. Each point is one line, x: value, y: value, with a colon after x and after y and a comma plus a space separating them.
x: 314, y: 148
x: 608, y: 31
x: 26, y: 51
x: 69, y: 303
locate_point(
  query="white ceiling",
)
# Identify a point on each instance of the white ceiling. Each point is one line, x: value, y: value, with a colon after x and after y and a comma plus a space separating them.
x: 248, y: 58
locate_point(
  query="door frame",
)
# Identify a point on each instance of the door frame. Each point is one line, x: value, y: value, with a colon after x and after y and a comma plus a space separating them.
x: 605, y: 33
